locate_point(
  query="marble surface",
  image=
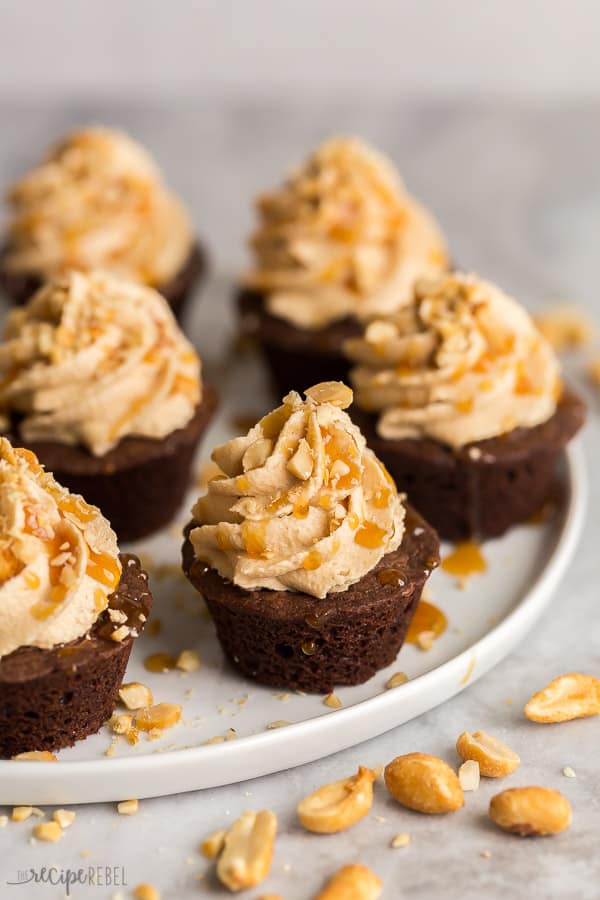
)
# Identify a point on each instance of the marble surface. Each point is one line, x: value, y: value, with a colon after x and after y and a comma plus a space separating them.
x: 517, y: 188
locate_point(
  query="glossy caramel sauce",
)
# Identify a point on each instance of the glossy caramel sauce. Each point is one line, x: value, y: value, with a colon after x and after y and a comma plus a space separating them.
x: 253, y: 536
x: 319, y: 618
x: 427, y: 618
x: 465, y: 560
x: 391, y: 577
x: 370, y: 535
x: 159, y: 662
x: 309, y: 648
x: 312, y: 560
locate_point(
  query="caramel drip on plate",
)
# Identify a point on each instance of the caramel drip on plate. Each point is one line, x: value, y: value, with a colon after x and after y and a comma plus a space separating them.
x: 159, y: 662
x: 427, y: 619
x: 466, y: 559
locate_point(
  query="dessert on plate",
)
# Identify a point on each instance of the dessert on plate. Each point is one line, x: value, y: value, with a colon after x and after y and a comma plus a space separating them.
x: 98, y: 201
x: 70, y: 608
x: 339, y: 241
x: 461, y: 397
x: 309, y: 561
x: 98, y: 380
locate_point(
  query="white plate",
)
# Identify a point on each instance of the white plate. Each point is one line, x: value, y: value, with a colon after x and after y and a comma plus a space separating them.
x: 486, y: 620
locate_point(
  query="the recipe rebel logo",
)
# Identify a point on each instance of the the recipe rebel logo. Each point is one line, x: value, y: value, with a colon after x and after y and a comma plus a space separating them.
x: 86, y: 876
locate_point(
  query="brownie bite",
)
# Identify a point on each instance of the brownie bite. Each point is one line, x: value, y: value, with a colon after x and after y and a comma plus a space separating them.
x: 461, y: 397
x: 310, y: 564
x: 70, y: 608
x: 339, y: 241
x: 98, y: 201
x: 99, y: 381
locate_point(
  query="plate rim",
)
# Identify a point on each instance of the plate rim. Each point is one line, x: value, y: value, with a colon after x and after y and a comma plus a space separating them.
x: 205, y: 766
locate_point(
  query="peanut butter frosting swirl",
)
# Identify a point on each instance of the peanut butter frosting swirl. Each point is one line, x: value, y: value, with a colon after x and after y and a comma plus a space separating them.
x: 92, y: 359
x: 302, y: 504
x: 59, y: 560
x: 463, y: 362
x: 342, y: 237
x: 97, y: 201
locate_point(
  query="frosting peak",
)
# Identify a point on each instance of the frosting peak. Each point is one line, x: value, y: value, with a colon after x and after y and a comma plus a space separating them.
x: 462, y: 363
x: 92, y: 359
x: 302, y: 504
x: 97, y: 201
x: 342, y: 237
x: 59, y: 559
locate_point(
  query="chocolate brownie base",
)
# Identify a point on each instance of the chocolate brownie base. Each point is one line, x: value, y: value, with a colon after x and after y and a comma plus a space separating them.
x: 51, y: 698
x: 483, y: 489
x: 20, y: 287
x: 296, y: 357
x: 291, y: 640
x: 140, y: 484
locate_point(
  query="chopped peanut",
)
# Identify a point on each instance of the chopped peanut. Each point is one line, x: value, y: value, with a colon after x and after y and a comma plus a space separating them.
x: 121, y: 723
x: 396, y: 680
x: 20, y: 813
x: 188, y: 661
x: 401, y: 840
x: 335, y: 392
x: 128, y: 807
x: 468, y: 775
x: 48, y: 831
x: 136, y: 695
x: 335, y: 807
x: 64, y: 817
x: 301, y: 463
x: 424, y: 783
x: 531, y: 811
x: 573, y: 696
x: 332, y: 701
x: 248, y: 851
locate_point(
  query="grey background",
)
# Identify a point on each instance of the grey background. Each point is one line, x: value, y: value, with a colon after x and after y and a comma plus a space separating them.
x: 542, y: 48
x: 513, y: 175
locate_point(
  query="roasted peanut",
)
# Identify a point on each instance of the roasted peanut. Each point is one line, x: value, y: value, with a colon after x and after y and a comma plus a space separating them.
x: 257, y: 454
x: 531, y: 811
x: 495, y: 759
x: 212, y: 845
x: 424, y: 783
x: 354, y: 882
x: 163, y: 715
x: 248, y: 850
x: 337, y: 806
x: 36, y: 756
x: 335, y: 392
x: 572, y: 696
